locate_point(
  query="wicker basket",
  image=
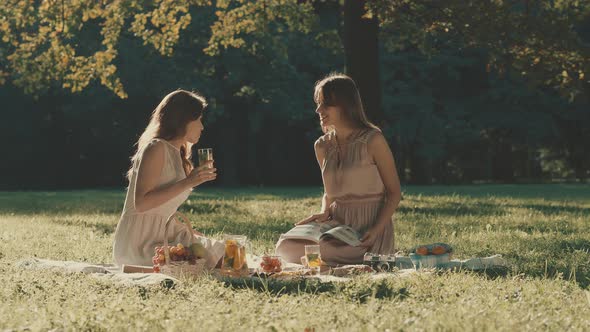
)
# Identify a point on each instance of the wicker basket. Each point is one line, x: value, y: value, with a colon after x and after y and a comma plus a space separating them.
x: 180, y: 269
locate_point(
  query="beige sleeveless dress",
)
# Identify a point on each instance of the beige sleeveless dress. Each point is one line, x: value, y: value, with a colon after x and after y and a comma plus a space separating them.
x: 139, y: 232
x: 351, y: 179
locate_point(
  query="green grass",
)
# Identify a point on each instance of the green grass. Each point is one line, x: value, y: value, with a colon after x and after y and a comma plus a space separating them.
x: 542, y: 230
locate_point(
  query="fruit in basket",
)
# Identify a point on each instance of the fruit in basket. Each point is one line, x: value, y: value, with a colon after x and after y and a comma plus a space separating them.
x: 271, y: 264
x: 198, y: 250
x: 439, y: 250
x: 422, y: 250
x: 177, y: 253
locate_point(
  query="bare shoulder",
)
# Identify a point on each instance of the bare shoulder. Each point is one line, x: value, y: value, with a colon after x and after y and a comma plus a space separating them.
x: 376, y: 141
x: 324, y: 141
x: 154, y: 150
x: 375, y: 136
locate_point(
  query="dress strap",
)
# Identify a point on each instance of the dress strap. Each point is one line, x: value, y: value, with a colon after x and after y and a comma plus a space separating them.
x: 165, y: 142
x: 365, y: 137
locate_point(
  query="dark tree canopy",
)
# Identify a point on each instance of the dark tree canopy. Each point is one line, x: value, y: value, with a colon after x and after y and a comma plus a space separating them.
x: 464, y: 90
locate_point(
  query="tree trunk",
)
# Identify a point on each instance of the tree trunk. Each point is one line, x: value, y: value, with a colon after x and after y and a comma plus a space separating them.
x: 361, y: 50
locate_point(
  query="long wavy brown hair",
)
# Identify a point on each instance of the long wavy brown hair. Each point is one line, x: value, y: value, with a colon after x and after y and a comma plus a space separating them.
x: 168, y: 122
x: 340, y: 90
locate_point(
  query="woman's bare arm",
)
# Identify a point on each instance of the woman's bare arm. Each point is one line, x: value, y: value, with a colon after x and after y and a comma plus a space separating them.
x: 147, y: 195
x: 320, y: 155
x: 324, y: 214
x: 383, y: 158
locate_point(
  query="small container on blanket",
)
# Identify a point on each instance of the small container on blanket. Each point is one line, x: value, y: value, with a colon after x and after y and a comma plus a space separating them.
x: 431, y: 255
x: 429, y: 261
x: 234, y: 262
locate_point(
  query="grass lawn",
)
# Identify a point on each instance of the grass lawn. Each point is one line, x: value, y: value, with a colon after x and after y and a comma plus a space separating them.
x: 542, y: 230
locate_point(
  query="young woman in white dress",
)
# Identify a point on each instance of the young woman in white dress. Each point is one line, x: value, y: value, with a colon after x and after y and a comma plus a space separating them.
x: 160, y: 179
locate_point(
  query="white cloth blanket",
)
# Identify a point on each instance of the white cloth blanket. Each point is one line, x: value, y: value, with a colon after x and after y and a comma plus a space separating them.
x: 474, y: 264
x: 110, y: 272
x: 113, y: 273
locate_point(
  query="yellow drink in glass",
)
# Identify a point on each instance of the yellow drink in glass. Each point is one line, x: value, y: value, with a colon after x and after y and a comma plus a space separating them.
x: 313, y: 258
x: 205, y: 157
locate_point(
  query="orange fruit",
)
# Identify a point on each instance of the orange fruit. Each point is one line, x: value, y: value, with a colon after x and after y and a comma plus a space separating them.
x: 439, y: 250
x: 422, y: 251
x: 230, y: 250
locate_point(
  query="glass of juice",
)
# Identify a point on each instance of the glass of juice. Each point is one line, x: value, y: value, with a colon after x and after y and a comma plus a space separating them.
x: 313, y: 258
x: 205, y: 157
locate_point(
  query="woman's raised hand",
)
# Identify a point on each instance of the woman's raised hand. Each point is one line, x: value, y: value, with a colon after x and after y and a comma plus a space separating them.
x: 320, y: 217
x: 202, y: 174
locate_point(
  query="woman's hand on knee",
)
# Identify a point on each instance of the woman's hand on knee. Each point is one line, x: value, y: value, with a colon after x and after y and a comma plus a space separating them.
x: 319, y: 217
x: 370, y: 237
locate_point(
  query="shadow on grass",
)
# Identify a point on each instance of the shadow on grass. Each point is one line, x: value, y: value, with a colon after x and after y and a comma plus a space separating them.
x: 567, y: 259
x: 479, y: 208
x: 100, y: 227
x: 575, y: 245
x: 554, y: 192
x: 455, y: 210
x: 551, y: 209
x: 356, y: 289
x: 561, y: 227
x: 259, y: 230
x: 353, y: 290
x: 493, y: 273
x: 204, y: 207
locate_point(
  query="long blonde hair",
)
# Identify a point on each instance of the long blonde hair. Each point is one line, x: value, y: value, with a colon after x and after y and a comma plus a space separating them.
x: 168, y: 121
x: 340, y: 90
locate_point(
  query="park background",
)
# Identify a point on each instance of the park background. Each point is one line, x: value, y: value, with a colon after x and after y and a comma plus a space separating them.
x: 465, y: 91
x: 485, y: 105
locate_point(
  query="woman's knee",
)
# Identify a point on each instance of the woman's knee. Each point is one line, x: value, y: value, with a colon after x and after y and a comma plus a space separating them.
x: 291, y: 250
x: 334, y: 251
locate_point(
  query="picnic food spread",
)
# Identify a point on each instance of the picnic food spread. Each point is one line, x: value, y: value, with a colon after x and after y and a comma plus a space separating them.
x: 234, y: 262
x: 178, y: 253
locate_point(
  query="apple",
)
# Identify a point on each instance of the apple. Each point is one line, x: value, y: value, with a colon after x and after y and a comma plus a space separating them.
x: 198, y: 250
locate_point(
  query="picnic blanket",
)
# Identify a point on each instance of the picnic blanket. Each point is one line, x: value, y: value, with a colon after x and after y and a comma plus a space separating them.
x: 113, y: 273
x: 473, y: 264
x: 405, y: 268
x: 110, y: 272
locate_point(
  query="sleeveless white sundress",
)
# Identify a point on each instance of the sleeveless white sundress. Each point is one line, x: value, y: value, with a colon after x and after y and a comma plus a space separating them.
x: 139, y: 232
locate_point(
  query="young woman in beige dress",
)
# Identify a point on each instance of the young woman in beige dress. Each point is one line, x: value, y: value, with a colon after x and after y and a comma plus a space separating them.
x: 361, y: 185
x: 160, y: 179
